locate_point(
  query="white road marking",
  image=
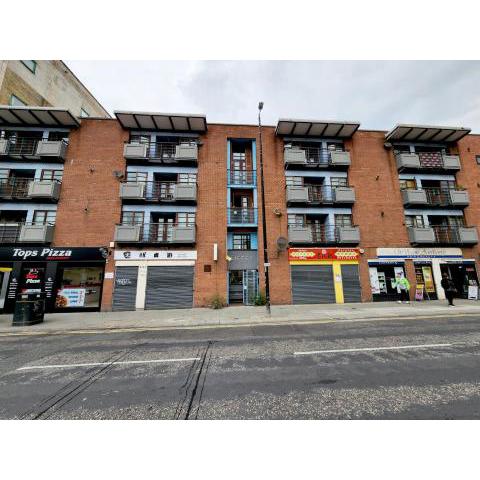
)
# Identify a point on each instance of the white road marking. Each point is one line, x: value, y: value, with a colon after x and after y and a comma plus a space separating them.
x: 372, y: 349
x: 98, y: 364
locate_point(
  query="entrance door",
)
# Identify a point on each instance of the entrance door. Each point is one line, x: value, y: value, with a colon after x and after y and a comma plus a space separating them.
x: 463, y: 275
x: 250, y: 286
x: 4, y: 278
x: 235, y: 286
x: 351, y: 284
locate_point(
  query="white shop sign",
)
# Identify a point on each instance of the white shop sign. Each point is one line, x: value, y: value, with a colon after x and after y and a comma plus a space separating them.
x: 408, y: 252
x: 155, y: 255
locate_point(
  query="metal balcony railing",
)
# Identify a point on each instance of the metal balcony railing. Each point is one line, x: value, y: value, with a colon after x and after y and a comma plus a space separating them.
x: 319, y: 233
x: 308, y: 233
x: 427, y: 161
x: 21, y: 188
x: 29, y: 147
x: 241, y: 177
x: 447, y: 234
x: 18, y: 232
x: 438, y: 196
x: 164, y: 152
x: 159, y: 232
x: 316, y: 156
x: 159, y: 190
x: 241, y: 216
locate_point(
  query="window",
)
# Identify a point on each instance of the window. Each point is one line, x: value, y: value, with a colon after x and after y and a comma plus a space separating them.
x: 294, y: 181
x: 186, y: 218
x: 414, y: 221
x: 132, y: 218
x: 241, y: 241
x: 339, y: 182
x: 187, y: 178
x: 4, y: 173
x: 296, y: 219
x: 30, y: 64
x: 83, y: 113
x: 51, y: 175
x: 15, y: 101
x: 79, y: 287
x: 408, y: 184
x: 477, y: 158
x: 57, y: 136
x: 136, y: 176
x: 42, y: 217
x: 343, y: 220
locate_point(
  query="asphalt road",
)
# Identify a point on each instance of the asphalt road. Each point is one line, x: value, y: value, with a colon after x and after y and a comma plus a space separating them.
x: 323, y: 371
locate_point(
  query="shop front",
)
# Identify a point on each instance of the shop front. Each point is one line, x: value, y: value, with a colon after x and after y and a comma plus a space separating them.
x: 153, y: 280
x: 324, y: 275
x: 428, y: 264
x: 70, y: 278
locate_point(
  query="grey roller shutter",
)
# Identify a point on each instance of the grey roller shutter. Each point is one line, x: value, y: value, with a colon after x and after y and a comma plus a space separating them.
x: 169, y: 287
x: 125, y: 288
x: 351, y: 284
x: 312, y: 284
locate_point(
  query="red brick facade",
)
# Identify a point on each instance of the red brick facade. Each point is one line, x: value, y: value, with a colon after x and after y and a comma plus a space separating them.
x: 90, y: 207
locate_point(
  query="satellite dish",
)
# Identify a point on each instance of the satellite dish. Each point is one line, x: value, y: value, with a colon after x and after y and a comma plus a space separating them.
x: 282, y: 244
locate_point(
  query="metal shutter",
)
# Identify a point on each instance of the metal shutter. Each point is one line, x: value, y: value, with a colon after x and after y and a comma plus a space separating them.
x: 312, y: 284
x: 169, y: 287
x: 351, y: 283
x: 125, y: 289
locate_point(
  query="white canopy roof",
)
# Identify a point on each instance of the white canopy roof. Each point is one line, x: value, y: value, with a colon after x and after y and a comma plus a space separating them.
x: 316, y: 128
x: 425, y: 133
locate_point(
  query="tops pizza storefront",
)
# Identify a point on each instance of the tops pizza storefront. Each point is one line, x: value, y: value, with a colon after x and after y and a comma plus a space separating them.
x: 70, y: 278
x: 324, y: 275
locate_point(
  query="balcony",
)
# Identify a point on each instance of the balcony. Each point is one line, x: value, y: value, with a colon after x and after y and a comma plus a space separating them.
x: 314, y: 157
x: 241, y: 178
x: 159, y: 191
x: 17, y: 188
x: 320, y: 194
x: 432, y: 161
x: 246, y: 217
x: 443, y: 235
x: 435, y: 197
x: 165, y: 152
x: 30, y: 148
x: 156, y: 233
x: 313, y: 234
x: 11, y: 233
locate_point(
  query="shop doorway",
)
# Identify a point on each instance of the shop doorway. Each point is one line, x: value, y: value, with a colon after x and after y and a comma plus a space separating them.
x: 424, y: 279
x: 382, y: 281
x: 4, y: 279
x: 243, y: 286
x: 463, y: 276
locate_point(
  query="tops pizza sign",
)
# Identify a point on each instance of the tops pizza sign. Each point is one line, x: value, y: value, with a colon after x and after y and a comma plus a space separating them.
x: 325, y: 254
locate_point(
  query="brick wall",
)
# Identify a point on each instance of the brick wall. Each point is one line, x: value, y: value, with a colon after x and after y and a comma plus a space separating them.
x: 89, y: 205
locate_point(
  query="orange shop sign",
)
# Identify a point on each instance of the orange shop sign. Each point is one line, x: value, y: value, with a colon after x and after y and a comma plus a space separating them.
x: 327, y: 254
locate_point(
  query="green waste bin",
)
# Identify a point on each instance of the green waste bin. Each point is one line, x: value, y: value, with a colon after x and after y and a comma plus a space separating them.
x: 29, y: 309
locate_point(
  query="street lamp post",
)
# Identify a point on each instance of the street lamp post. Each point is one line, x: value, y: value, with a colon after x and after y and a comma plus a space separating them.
x: 264, y: 219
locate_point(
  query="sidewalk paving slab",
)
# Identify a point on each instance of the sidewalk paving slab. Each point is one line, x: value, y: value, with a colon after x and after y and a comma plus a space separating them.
x: 238, y: 316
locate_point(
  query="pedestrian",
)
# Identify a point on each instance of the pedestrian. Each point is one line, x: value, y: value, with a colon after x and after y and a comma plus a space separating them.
x: 449, y: 287
x: 403, y: 285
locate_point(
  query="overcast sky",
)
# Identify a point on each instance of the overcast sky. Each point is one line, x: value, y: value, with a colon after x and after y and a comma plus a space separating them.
x: 378, y: 94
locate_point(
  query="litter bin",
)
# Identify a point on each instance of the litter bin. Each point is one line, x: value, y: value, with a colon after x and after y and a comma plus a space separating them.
x: 29, y: 309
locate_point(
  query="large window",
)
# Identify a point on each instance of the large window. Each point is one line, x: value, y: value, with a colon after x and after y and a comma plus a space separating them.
x: 42, y: 217
x: 186, y: 218
x: 241, y: 241
x: 414, y: 221
x: 343, y: 220
x: 187, y: 177
x: 294, y: 181
x: 80, y: 287
x: 137, y: 177
x: 51, y: 175
x: 30, y: 64
x: 132, y: 218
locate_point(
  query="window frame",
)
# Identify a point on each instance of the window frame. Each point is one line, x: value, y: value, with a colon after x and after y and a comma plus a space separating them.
x: 82, y: 112
x: 46, y: 214
x: 51, y: 174
x: 20, y: 104
x: 241, y: 241
x: 27, y: 65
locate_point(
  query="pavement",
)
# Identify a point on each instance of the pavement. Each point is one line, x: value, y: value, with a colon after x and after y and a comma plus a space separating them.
x: 424, y: 368
x: 237, y: 316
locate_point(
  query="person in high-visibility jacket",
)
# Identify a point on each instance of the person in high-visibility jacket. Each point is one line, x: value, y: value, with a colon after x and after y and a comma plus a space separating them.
x: 403, y: 285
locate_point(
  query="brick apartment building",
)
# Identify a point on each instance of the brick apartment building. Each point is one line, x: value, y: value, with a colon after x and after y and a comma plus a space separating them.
x: 152, y: 211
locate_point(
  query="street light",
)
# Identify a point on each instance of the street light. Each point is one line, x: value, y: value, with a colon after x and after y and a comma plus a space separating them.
x: 264, y: 219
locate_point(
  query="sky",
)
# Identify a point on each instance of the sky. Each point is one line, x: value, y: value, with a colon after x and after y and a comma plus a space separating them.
x: 378, y: 94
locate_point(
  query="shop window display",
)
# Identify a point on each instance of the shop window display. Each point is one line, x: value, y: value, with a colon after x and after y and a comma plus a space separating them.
x: 80, y: 287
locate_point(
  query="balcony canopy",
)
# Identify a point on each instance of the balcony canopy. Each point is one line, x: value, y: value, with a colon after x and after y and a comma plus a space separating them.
x: 425, y: 133
x: 316, y: 128
x: 36, y: 117
x: 171, y: 122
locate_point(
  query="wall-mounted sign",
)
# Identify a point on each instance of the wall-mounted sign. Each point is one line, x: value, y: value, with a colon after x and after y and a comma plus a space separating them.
x: 46, y: 253
x: 407, y: 252
x: 326, y: 254
x: 155, y: 255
